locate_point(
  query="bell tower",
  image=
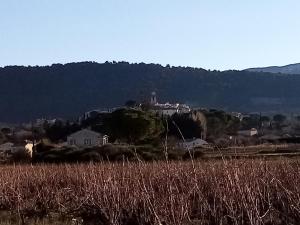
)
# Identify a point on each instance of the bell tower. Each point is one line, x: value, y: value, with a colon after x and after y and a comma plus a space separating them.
x: 153, y: 100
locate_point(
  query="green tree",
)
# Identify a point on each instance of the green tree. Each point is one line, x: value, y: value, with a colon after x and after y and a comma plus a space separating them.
x: 279, y: 118
x: 190, y: 125
x: 253, y: 121
x: 220, y: 123
x: 265, y: 119
x: 6, y: 130
x: 2, y: 138
x: 130, y: 103
x: 60, y: 130
x: 133, y: 126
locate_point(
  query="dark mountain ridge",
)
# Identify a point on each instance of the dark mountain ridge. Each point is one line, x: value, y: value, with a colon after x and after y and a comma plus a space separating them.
x: 288, y: 69
x: 66, y: 91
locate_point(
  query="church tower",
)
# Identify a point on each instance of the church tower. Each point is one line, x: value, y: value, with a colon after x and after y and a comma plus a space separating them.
x: 153, y: 98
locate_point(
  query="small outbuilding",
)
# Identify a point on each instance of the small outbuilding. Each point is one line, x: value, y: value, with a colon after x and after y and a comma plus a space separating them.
x: 192, y: 143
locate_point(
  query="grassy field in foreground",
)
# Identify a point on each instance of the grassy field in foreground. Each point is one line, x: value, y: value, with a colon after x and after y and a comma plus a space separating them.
x: 215, y: 192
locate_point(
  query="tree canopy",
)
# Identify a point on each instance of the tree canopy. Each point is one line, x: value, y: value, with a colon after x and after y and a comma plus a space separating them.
x: 133, y: 126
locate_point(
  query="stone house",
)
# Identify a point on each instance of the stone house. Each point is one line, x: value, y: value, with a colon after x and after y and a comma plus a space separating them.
x: 87, y: 138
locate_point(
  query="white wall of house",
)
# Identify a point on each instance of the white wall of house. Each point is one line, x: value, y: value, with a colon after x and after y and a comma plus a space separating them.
x: 87, y: 138
x: 6, y: 147
x: 167, y: 112
x: 168, y: 109
x: 10, y: 148
x: 248, y: 133
x: 184, y: 110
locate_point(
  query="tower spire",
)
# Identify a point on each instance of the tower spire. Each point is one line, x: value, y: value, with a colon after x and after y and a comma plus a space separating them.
x: 153, y: 98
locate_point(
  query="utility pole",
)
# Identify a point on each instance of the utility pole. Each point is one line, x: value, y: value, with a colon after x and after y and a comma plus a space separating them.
x: 33, y: 133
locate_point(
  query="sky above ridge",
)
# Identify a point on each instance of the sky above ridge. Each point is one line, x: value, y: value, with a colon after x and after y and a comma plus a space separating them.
x: 211, y: 34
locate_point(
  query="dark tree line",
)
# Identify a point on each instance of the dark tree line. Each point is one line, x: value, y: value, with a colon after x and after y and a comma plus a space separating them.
x: 64, y: 91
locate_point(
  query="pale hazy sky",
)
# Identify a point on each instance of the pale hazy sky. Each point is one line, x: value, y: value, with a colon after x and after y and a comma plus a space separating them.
x: 212, y: 34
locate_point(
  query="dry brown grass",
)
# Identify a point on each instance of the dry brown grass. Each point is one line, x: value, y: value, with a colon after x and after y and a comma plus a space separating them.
x: 217, y: 192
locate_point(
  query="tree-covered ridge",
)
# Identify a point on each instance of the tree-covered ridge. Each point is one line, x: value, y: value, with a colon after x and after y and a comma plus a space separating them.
x: 288, y: 69
x: 68, y: 90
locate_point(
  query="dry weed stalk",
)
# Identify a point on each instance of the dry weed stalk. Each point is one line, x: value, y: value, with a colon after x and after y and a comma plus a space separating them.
x: 238, y: 192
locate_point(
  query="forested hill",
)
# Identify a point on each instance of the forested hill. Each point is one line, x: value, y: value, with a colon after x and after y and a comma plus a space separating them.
x: 68, y: 90
x: 288, y: 69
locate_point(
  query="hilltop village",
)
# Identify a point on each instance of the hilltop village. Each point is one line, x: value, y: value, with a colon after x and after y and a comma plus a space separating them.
x: 147, y: 129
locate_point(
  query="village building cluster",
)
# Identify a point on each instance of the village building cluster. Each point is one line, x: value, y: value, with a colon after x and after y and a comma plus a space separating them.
x: 167, y: 109
x: 86, y: 138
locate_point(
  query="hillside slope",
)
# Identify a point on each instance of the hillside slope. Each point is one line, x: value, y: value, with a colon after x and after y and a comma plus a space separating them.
x: 289, y: 69
x: 68, y: 90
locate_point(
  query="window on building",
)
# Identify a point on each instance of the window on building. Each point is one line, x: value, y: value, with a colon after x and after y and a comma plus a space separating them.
x: 72, y: 142
x: 87, y: 141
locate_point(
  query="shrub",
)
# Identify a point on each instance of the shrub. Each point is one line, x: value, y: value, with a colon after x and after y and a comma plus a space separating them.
x: 193, y: 154
x: 21, y: 156
x: 43, y: 147
x: 91, y: 156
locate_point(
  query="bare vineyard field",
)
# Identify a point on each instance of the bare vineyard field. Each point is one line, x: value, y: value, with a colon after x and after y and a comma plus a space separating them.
x: 214, y: 192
